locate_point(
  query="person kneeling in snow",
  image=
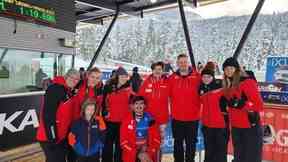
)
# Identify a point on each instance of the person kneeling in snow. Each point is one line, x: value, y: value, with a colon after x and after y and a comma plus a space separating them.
x: 87, y: 134
x: 139, y: 134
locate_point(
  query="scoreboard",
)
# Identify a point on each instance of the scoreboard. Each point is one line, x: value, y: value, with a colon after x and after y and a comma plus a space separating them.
x: 53, y: 13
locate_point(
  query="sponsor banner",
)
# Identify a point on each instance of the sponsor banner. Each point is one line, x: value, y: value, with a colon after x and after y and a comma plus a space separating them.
x: 276, y: 93
x: 277, y: 70
x: 275, y: 97
x: 275, y: 131
x: 18, y: 120
x: 276, y: 142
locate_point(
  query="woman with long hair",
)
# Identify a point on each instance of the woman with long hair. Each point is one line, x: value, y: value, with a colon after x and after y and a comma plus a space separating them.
x: 245, y: 107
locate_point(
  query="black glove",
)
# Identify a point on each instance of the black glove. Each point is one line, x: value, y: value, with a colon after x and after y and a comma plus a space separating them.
x: 105, y: 113
x: 237, y: 103
x: 254, y: 118
x: 223, y: 104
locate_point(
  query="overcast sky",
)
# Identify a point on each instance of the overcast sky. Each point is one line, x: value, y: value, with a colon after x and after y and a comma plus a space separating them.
x: 239, y: 7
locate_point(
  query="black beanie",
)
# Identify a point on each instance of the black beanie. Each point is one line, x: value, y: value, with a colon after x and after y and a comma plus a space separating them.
x: 231, y: 62
x: 121, y: 71
x: 135, y: 69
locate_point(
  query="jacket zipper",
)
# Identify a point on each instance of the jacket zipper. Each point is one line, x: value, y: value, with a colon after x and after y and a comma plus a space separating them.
x: 89, y: 129
x: 153, y: 87
x: 207, y: 99
x: 158, y: 88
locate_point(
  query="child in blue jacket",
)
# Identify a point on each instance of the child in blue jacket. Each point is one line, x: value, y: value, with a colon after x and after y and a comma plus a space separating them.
x: 88, y: 133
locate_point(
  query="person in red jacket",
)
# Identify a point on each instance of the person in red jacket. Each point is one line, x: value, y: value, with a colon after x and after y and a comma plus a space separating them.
x: 185, y: 109
x: 56, y: 117
x: 245, y: 109
x: 214, y: 116
x: 140, y: 136
x: 156, y: 93
x: 91, y: 87
x: 116, y: 98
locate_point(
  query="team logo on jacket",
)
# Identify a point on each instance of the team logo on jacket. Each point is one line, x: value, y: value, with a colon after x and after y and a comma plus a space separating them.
x: 192, y: 77
x: 201, y: 92
x: 140, y: 134
x: 148, y: 90
x: 269, y: 115
x: 130, y: 127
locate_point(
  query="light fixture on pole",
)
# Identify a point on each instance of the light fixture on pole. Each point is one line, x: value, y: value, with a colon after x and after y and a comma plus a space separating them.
x: 153, y: 1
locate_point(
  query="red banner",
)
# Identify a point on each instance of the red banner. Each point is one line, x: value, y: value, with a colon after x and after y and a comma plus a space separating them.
x: 276, y: 149
x: 276, y: 144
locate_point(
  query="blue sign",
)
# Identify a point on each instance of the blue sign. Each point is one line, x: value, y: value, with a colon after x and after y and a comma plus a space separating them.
x: 277, y: 70
x: 168, y: 145
x: 106, y: 75
x: 275, y: 97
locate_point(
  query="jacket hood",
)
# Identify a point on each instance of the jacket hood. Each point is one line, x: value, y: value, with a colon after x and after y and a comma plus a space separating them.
x: 60, y: 80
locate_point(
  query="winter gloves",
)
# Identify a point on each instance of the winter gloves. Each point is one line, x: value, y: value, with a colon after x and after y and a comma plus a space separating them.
x: 223, y: 104
x: 234, y: 102
x: 237, y: 103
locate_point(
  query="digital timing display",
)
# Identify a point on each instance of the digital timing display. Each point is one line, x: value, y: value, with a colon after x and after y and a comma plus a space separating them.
x: 28, y: 11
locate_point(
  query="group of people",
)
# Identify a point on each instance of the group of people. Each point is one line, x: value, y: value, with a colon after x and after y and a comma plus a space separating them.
x: 114, y: 123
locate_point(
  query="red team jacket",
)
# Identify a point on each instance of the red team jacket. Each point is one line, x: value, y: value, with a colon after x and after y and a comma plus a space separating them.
x: 128, y: 140
x: 212, y: 116
x: 87, y: 92
x: 117, y: 102
x: 56, y: 114
x: 239, y: 117
x: 185, y: 100
x: 156, y: 93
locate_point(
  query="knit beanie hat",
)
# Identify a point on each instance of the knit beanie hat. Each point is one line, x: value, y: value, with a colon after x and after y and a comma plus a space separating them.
x: 209, y: 69
x: 121, y: 71
x: 231, y: 62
